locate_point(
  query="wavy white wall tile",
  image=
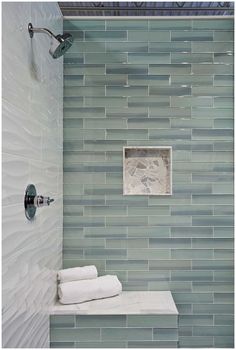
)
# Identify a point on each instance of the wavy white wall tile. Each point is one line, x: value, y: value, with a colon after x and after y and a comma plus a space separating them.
x: 32, y: 153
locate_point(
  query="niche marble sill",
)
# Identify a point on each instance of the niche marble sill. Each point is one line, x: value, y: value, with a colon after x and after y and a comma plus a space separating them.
x: 127, y: 303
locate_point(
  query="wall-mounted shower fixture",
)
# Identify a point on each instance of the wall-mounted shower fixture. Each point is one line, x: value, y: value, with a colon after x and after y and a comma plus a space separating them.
x: 59, y: 43
x: 32, y: 201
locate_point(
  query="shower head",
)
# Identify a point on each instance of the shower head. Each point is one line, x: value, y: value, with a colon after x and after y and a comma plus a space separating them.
x: 59, y: 43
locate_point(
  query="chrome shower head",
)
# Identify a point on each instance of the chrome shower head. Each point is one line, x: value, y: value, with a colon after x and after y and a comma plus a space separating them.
x: 59, y: 43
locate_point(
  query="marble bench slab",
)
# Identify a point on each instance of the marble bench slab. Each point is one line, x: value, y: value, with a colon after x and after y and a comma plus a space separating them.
x: 127, y: 303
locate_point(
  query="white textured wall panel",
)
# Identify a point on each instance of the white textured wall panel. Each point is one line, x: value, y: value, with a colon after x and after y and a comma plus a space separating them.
x: 32, y: 153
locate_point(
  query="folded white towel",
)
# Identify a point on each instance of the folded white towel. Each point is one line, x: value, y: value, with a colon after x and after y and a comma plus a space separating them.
x: 77, y: 273
x: 80, y: 291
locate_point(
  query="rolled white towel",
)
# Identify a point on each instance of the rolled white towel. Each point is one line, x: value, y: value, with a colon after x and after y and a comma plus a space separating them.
x: 77, y: 274
x: 80, y: 291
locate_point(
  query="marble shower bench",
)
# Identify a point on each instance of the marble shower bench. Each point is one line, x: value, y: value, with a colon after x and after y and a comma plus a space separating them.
x: 130, y: 320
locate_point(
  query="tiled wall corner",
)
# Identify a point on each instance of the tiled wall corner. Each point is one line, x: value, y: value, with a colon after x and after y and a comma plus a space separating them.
x: 154, y: 83
x: 32, y: 153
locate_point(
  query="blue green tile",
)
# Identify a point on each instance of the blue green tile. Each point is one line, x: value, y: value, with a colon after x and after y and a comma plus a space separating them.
x: 101, y: 344
x: 191, y: 58
x: 213, y: 24
x: 195, y: 320
x: 126, y: 91
x: 212, y: 113
x: 224, y: 102
x: 170, y: 91
x: 161, y: 231
x: 191, y: 210
x: 141, y: 123
x: 149, y: 101
x: 226, y: 58
x: 158, y: 321
x: 127, y: 46
x: 65, y: 321
x: 126, y: 333
x: 223, y: 123
x: 211, y: 68
x: 146, y: 58
x: 91, y: 69
x: 130, y: 134
x: 101, y: 320
x: 126, y: 24
x: 109, y: 35
x: 224, y: 320
x: 173, y: 69
x: 212, y: 287
x: 137, y: 35
x: 148, y: 276
x: 212, y: 47
x: 169, y: 264
x: 62, y: 345
x: 212, y: 199
x: 99, y: 253
x: 202, y: 134
x: 169, y: 24
x: 212, y: 265
x: 193, y: 254
x: 73, y: 80
x: 87, y: 46
x: 105, y: 58
x: 212, y: 91
x: 152, y: 344
x: 169, y: 242
x: 194, y: 80
x: 73, y: 334
x: 224, y: 276
x: 127, y: 69
x: 103, y: 123
x: 191, y: 35
x: 196, y: 342
x: 193, y: 298
x: 226, y: 35
x: 224, y: 341
x: 70, y: 24
x: 127, y: 243
x: 153, y: 210
x: 191, y: 101
x: 148, y: 253
x: 169, y: 134
x: 153, y: 80
x: 213, y: 220
x: 169, y: 46
x: 223, y: 254
x: 169, y: 334
x: 131, y: 112
x: 102, y: 80
x: 105, y: 101
x: 84, y: 112
x: 191, y: 232
x: 124, y: 265
x: 169, y: 112
x: 192, y: 276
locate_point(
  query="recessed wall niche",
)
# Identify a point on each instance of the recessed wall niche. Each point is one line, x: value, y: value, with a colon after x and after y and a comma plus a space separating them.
x: 147, y: 170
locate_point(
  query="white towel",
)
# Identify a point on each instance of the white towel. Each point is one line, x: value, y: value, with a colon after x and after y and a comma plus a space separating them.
x: 77, y: 273
x: 80, y: 291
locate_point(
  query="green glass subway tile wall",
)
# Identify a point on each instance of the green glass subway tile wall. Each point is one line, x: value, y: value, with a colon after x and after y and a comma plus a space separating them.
x: 151, y: 83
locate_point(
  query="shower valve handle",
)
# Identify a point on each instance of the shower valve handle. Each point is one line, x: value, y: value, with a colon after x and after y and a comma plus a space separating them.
x: 42, y: 201
x: 32, y: 201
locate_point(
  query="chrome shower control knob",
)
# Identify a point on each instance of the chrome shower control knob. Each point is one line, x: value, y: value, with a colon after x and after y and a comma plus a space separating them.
x: 32, y: 201
x: 42, y: 201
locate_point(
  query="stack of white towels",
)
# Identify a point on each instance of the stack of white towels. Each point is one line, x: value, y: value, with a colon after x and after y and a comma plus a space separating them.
x: 79, y: 284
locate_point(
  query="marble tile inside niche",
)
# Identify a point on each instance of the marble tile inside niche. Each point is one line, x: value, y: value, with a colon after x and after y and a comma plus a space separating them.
x: 147, y: 171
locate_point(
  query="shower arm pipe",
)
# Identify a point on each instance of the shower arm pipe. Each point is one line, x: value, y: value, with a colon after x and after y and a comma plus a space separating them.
x: 110, y: 8
x: 33, y: 30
